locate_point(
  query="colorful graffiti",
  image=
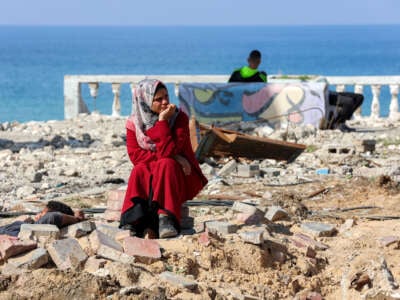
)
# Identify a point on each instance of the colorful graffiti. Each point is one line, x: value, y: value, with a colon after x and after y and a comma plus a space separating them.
x: 300, y: 103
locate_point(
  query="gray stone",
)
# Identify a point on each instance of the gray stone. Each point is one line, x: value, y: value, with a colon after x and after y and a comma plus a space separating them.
x: 319, y: 229
x: 248, y: 170
x: 228, y: 168
x: 221, y: 227
x: 244, y: 207
x: 253, y: 237
x: 79, y: 229
x: 276, y: 213
x: 177, y: 280
x: 29, y: 261
x: 39, y: 232
x: 67, y: 254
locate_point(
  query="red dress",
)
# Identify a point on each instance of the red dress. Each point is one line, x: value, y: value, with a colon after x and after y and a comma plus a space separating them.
x: 159, y: 169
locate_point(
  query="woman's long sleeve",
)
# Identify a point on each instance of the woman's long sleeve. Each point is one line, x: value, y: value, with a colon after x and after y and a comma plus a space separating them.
x: 170, y: 142
x: 135, y: 152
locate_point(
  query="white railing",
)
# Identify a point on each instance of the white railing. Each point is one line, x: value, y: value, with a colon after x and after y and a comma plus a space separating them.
x: 74, y: 103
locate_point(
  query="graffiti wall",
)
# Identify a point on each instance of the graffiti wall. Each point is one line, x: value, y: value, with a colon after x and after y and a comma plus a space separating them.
x: 300, y: 103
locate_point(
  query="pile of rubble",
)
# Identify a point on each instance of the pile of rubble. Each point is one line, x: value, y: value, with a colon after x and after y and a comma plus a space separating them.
x: 322, y: 226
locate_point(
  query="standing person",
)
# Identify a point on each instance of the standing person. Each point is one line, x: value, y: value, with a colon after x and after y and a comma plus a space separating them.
x: 250, y: 73
x: 166, y: 172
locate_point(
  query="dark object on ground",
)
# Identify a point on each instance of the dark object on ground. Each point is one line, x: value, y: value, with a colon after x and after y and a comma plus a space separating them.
x: 339, y: 108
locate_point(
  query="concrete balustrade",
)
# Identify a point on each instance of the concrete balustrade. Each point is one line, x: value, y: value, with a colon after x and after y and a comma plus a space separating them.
x: 74, y: 103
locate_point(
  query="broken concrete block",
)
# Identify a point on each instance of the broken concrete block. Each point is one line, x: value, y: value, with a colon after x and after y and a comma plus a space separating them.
x: 248, y: 170
x: 98, y: 239
x: 271, y: 172
x: 178, y: 280
x: 244, y: 207
x: 109, y: 230
x: 92, y: 264
x: 303, y: 240
x: 28, y: 261
x: 67, y: 254
x: 144, y: 250
x: 276, y: 213
x: 250, y: 219
x: 228, y: 168
x: 79, y: 229
x: 11, y: 246
x: 347, y: 225
x: 253, y: 237
x: 388, y: 240
x: 114, y: 254
x: 318, y: 229
x: 207, y: 169
x: 219, y: 227
x: 36, y: 232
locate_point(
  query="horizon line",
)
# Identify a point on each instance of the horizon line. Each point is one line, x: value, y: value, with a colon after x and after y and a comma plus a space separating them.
x: 195, y: 25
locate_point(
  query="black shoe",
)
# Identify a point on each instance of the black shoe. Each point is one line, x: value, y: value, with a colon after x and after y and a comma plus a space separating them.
x: 344, y: 128
x: 166, y: 227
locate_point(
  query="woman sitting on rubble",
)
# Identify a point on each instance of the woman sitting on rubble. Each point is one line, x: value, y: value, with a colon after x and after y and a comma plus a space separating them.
x: 166, y: 172
x: 55, y: 213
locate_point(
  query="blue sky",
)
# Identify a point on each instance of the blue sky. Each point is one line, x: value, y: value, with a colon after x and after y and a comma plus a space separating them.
x: 199, y: 12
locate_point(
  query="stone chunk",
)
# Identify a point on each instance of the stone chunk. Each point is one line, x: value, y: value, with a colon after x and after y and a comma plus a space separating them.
x: 67, y: 254
x: 276, y: 213
x: 115, y: 255
x: 219, y: 227
x: 303, y: 240
x: 253, y: 237
x: 177, y: 280
x: 98, y: 239
x: 79, y: 229
x: 250, y: 219
x: 11, y: 246
x: 143, y: 250
x: 92, y: 264
x: 39, y: 232
x: 29, y: 261
x: 318, y: 229
x: 388, y: 240
x: 244, y: 207
x: 228, y: 168
x: 248, y: 170
x: 109, y: 230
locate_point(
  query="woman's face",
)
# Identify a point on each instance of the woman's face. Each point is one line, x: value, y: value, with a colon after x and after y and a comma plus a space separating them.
x: 160, y: 101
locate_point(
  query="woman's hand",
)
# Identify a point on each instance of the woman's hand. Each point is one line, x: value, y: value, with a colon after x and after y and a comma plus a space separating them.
x: 167, y: 113
x: 186, y: 168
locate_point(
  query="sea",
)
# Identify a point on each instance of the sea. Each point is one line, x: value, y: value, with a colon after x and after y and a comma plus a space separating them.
x: 35, y: 59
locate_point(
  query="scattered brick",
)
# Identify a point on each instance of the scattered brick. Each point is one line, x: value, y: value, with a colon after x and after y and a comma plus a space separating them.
x: 11, y: 246
x: 98, y: 239
x: 276, y: 213
x: 114, y: 254
x: 29, y: 261
x: 219, y: 227
x: 79, y: 229
x: 253, y: 237
x: 67, y: 254
x: 144, y: 250
x: 318, y: 229
x: 38, y: 232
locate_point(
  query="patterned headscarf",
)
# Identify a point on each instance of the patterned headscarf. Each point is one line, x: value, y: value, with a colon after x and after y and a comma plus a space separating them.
x: 143, y: 118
